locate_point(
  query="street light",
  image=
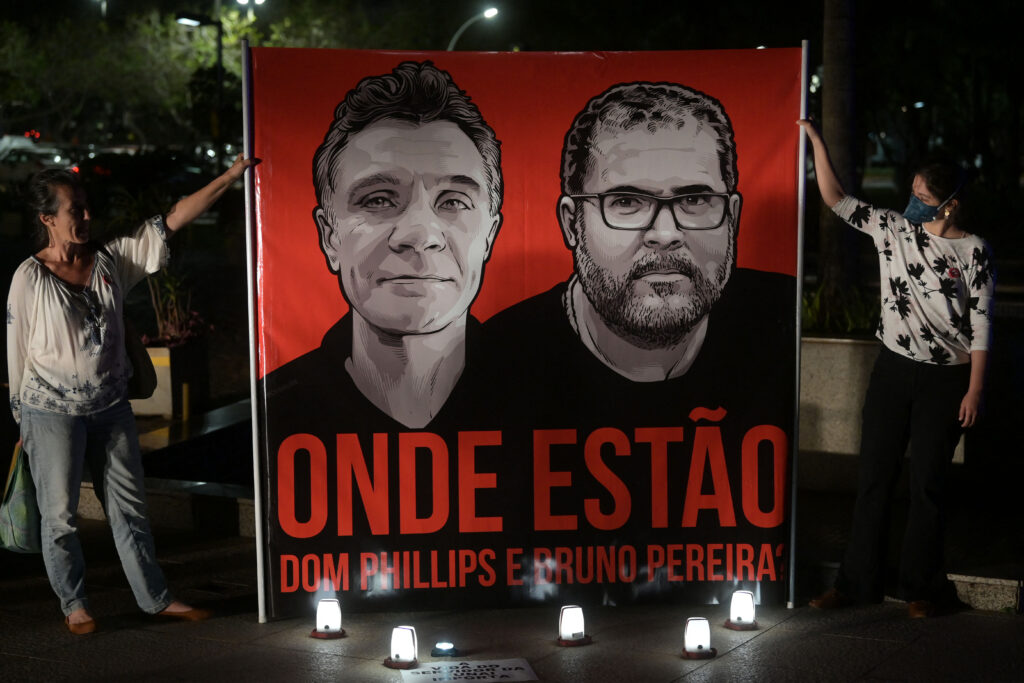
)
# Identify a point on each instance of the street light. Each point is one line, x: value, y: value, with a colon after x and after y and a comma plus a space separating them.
x: 195, y: 21
x: 488, y: 13
x: 248, y: 5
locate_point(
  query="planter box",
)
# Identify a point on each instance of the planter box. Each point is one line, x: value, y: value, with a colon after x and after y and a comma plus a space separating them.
x: 834, y: 376
x: 161, y: 402
x: 182, y: 381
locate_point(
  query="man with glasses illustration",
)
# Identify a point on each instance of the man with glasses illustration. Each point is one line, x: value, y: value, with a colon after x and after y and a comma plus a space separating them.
x: 650, y: 209
x: 651, y: 216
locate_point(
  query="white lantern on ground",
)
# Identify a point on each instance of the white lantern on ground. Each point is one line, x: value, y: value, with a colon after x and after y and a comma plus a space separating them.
x: 328, y: 619
x: 404, y: 649
x: 741, y: 612
x: 697, y: 639
x: 570, y: 626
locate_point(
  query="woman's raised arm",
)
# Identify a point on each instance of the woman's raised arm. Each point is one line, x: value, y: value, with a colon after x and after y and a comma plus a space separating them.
x: 189, y: 208
x: 828, y: 183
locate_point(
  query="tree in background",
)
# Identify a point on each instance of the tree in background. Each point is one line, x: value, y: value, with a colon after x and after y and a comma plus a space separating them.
x: 134, y: 81
x: 137, y: 77
x: 837, y: 296
x: 945, y: 80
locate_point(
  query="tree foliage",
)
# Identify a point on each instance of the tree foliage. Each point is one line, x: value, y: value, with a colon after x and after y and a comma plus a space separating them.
x: 138, y: 76
x: 133, y: 81
x: 306, y: 24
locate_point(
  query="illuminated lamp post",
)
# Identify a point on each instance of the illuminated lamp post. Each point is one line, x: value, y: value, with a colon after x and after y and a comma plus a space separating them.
x: 195, y: 21
x: 488, y: 13
x: 248, y: 4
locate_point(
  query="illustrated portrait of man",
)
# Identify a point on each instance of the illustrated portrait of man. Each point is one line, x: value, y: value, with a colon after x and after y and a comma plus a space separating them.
x: 650, y: 209
x: 409, y: 190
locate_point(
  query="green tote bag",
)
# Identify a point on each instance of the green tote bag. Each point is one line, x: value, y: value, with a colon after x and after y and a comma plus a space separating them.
x: 19, y: 513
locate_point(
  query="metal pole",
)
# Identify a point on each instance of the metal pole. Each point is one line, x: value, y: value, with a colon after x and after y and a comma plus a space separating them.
x: 462, y: 29
x: 801, y: 184
x: 247, y: 142
x: 218, y: 135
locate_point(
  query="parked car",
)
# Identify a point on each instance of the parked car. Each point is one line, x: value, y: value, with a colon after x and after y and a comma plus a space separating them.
x: 122, y: 187
x: 21, y: 163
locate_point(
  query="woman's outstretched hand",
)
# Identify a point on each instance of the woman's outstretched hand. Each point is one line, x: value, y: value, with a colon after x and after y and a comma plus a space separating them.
x: 239, y: 166
x: 809, y: 126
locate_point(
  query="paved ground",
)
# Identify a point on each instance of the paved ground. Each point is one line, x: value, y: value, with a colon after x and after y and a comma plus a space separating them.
x: 210, y: 566
x: 629, y: 643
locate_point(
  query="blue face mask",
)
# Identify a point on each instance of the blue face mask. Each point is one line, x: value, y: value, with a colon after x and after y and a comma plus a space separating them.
x: 919, y: 212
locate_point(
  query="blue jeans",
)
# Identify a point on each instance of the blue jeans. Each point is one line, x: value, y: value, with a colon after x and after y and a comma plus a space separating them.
x: 58, y: 447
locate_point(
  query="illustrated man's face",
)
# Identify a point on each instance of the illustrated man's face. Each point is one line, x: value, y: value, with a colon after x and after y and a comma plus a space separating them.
x: 651, y: 286
x: 409, y: 227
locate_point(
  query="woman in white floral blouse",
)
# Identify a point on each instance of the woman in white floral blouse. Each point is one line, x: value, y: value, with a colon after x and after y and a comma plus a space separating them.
x: 68, y: 375
x: 937, y: 282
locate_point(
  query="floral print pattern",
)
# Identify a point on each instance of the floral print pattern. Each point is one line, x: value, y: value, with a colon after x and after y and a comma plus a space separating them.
x: 936, y: 292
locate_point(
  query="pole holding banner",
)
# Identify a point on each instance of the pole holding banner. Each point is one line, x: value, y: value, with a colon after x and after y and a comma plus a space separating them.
x: 801, y: 184
x: 247, y: 148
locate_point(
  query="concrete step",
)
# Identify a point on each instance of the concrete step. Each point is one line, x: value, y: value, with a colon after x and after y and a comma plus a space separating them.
x: 997, y: 595
x: 184, y: 506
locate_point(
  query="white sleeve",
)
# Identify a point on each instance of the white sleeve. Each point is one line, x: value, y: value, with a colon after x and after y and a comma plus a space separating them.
x: 140, y: 254
x: 980, y: 297
x: 19, y: 316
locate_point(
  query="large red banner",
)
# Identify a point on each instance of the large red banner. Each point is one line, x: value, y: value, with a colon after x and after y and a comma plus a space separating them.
x: 525, y: 324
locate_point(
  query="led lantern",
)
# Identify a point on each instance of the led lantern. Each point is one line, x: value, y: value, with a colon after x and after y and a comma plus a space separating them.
x: 444, y: 648
x: 697, y: 639
x: 741, y: 612
x: 404, y: 650
x: 328, y: 619
x: 570, y: 626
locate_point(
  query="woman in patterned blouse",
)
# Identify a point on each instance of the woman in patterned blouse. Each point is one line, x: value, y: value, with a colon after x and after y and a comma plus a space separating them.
x: 937, y: 281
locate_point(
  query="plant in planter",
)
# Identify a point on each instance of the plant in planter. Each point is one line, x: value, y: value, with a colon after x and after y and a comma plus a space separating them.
x: 858, y: 318
x: 176, y: 322
x: 178, y: 350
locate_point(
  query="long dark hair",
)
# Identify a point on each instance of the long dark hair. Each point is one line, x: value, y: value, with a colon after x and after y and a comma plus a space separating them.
x: 41, y: 197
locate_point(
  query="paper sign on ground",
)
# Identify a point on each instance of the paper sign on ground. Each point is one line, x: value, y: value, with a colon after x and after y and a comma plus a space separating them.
x: 490, y: 671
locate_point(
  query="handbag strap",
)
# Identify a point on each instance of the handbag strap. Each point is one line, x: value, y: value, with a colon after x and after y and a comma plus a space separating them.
x: 14, y: 464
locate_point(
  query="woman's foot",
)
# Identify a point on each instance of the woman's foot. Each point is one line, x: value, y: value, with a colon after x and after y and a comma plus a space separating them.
x: 179, y: 610
x: 921, y: 609
x: 831, y: 599
x: 80, y: 622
